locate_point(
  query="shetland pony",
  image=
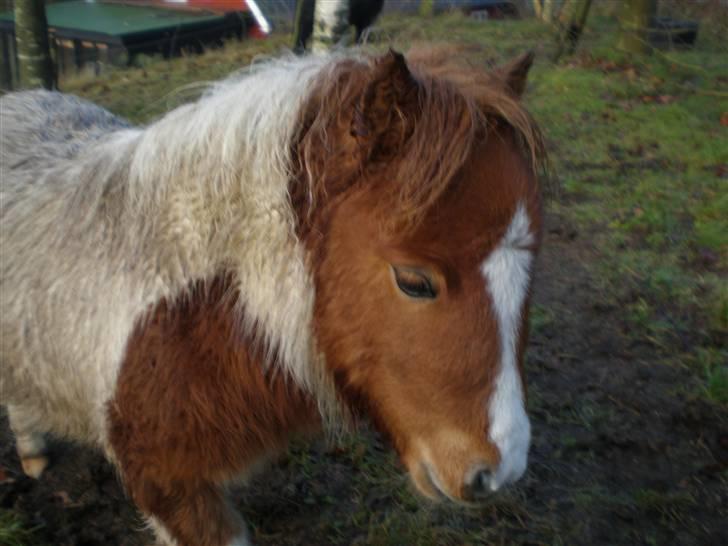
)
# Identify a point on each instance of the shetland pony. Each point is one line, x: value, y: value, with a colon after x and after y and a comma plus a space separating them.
x: 318, y: 239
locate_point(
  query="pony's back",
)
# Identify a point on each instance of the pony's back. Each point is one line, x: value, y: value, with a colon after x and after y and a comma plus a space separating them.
x: 42, y: 127
x: 48, y: 264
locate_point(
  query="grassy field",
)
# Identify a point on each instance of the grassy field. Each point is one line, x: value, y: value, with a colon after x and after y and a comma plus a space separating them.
x: 628, y: 363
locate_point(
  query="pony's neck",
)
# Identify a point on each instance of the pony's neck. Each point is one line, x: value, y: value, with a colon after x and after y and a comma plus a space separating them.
x: 212, y: 179
x: 219, y: 168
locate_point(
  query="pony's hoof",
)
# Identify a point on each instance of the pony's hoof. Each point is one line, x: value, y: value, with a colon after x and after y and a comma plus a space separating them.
x: 34, y: 466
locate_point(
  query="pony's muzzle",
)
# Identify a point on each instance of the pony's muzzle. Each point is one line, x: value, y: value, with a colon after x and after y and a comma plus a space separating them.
x: 477, y: 486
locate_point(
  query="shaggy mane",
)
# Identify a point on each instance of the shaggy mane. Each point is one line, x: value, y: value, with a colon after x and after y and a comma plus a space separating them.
x: 457, y: 107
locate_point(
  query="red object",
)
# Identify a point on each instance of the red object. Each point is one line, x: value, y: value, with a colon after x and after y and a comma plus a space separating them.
x: 262, y: 25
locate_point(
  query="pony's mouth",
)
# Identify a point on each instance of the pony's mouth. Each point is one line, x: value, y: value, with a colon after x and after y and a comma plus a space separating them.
x: 434, y: 489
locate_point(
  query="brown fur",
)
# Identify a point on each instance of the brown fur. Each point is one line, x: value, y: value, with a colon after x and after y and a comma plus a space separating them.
x: 195, y: 408
x: 428, y: 113
x: 395, y: 370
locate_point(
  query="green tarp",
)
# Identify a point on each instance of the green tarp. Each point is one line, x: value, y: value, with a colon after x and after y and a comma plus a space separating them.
x: 118, y: 20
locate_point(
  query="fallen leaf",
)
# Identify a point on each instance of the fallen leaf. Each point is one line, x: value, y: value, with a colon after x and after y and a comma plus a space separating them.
x: 63, y: 496
x: 724, y: 119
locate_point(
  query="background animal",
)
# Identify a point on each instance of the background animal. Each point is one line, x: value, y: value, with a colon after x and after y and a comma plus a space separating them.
x: 321, y: 238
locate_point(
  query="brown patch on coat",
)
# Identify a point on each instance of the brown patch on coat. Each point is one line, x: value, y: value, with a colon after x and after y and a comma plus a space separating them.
x: 195, y: 407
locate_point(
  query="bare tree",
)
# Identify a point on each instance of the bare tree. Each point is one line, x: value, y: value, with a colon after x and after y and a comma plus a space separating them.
x: 634, y: 20
x: 31, y: 38
x: 546, y: 10
x: 571, y: 24
x: 331, y: 22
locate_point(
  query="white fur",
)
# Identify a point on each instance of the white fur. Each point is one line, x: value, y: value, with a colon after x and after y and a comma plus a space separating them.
x: 99, y: 221
x: 507, y: 272
x: 160, y: 532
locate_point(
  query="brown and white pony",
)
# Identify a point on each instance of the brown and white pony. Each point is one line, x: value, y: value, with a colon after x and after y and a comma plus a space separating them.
x: 319, y: 238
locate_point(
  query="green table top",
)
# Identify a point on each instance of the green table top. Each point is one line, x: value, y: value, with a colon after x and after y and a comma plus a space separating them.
x: 117, y: 19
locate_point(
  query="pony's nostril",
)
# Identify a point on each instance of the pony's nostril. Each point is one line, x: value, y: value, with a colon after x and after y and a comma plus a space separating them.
x: 479, y: 487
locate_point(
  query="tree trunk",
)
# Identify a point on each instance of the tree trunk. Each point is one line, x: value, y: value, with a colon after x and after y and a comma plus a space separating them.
x: 537, y: 9
x: 571, y: 24
x: 31, y: 37
x: 547, y: 11
x: 634, y: 21
x: 426, y: 8
x: 330, y: 23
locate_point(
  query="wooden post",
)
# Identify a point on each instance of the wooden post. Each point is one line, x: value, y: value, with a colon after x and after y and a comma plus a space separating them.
x: 330, y: 23
x: 299, y: 33
x: 634, y: 20
x: 6, y: 73
x: 31, y: 37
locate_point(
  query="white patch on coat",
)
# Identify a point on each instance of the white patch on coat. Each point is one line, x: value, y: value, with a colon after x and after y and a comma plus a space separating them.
x: 164, y: 538
x: 99, y: 221
x: 507, y: 271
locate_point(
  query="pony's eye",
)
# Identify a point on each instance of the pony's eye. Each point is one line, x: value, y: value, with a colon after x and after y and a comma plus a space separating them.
x: 414, y: 283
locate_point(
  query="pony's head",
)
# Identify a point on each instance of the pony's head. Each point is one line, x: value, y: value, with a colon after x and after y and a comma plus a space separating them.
x: 419, y: 203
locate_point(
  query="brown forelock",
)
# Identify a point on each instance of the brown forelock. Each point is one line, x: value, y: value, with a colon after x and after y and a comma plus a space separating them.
x: 418, y: 367
x: 423, y: 115
x: 194, y: 406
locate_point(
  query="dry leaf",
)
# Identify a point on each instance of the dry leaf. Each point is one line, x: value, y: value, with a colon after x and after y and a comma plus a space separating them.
x: 63, y: 496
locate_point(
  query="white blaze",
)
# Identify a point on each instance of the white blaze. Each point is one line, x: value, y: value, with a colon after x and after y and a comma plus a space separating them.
x: 507, y: 272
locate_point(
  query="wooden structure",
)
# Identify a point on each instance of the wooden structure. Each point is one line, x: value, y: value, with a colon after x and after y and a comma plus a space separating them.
x: 83, y: 33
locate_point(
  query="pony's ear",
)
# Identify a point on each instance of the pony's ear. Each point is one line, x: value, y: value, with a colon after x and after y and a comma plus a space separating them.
x: 387, y: 102
x: 515, y: 73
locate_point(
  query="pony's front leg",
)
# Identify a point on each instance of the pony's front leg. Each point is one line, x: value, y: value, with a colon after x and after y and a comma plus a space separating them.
x: 190, y: 514
x: 30, y: 444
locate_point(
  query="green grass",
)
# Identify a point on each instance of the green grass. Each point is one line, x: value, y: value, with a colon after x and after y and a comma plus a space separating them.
x: 14, y: 531
x: 714, y: 363
x: 641, y: 154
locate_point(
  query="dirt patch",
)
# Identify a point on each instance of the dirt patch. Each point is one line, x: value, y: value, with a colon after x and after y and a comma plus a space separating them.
x: 625, y: 451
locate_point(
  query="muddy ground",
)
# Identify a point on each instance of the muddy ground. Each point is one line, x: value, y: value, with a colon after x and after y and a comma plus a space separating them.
x: 625, y: 451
